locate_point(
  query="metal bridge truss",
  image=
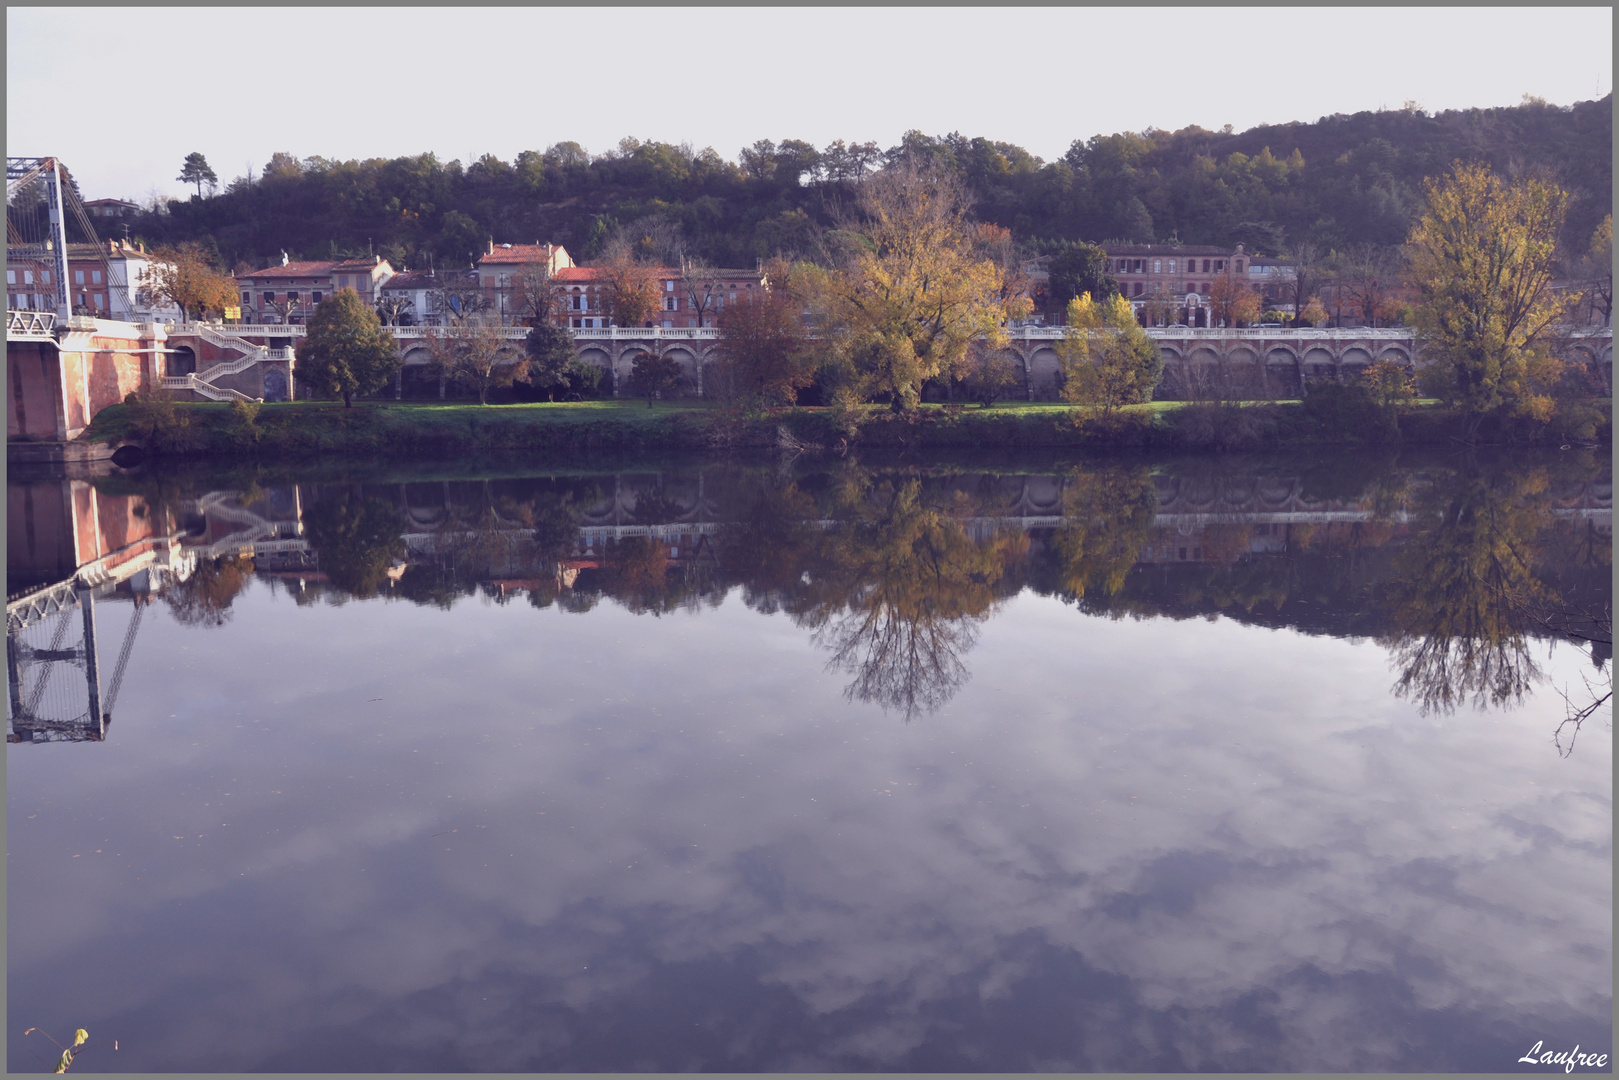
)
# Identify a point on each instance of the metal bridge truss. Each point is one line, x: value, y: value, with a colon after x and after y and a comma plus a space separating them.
x: 45, y: 242
x: 53, y: 671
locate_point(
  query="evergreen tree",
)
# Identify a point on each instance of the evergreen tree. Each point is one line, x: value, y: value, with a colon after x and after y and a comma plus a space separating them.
x: 195, y: 170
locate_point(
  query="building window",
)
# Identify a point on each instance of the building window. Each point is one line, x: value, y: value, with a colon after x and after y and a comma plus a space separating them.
x: 342, y: 281
x: 269, y: 298
x: 27, y: 277
x: 95, y: 277
x: 1171, y: 266
x: 1219, y: 265
x: 668, y: 286
x: 11, y: 277
x: 1158, y: 266
x: 1205, y: 266
x: 1237, y: 266
x: 315, y: 298
x: 97, y: 298
x: 1138, y: 288
x: 247, y: 299
x: 292, y: 298
x: 78, y: 277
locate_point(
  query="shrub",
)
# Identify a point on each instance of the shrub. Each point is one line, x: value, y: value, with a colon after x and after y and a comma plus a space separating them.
x: 158, y: 422
x: 1221, y: 426
x: 1349, y: 412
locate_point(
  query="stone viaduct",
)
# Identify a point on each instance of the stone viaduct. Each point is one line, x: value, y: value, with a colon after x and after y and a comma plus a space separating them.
x: 1257, y: 361
x: 63, y: 374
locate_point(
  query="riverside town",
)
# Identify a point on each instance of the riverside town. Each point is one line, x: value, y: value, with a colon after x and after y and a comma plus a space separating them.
x: 837, y: 607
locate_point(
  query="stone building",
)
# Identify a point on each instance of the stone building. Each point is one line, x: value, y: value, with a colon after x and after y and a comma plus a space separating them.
x: 29, y: 286
x: 289, y: 293
x: 502, y: 268
x: 687, y: 299
x: 1180, y: 274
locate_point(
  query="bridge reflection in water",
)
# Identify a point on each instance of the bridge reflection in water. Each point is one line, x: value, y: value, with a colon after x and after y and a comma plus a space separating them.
x: 893, y: 570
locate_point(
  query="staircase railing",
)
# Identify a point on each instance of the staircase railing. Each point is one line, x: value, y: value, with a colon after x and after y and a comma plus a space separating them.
x: 224, y: 341
x: 231, y: 367
x: 207, y: 390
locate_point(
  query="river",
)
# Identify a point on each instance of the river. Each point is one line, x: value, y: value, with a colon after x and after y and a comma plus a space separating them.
x: 813, y: 764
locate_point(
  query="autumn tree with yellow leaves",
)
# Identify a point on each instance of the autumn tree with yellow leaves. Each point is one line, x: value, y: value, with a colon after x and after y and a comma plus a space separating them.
x: 1482, y: 258
x: 186, y: 277
x: 917, y: 289
x: 1107, y: 358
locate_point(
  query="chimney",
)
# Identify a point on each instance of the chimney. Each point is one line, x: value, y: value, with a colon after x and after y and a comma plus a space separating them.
x: 283, y: 258
x: 491, y: 247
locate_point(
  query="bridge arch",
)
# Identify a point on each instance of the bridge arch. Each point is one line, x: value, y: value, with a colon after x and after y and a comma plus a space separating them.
x: 624, y: 366
x: 275, y: 384
x: 1282, y: 372
x: 689, y: 368
x: 1317, y: 363
x: 1045, y: 374
x: 1353, y: 363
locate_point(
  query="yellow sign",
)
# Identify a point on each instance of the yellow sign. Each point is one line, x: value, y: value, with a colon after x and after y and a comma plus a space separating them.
x: 233, y: 313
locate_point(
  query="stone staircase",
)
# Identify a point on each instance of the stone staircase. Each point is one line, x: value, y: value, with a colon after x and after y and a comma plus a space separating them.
x: 202, y: 382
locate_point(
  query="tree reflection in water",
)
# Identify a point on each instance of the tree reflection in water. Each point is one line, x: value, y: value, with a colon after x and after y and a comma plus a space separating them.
x: 1110, y: 513
x: 356, y: 540
x: 1465, y: 591
x: 485, y: 536
x: 1456, y: 567
x: 204, y: 597
x: 896, y: 588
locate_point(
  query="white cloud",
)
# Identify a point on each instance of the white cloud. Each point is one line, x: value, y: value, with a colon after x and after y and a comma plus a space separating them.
x: 557, y: 814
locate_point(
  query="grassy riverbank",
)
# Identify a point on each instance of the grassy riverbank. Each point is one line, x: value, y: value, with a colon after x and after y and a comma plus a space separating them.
x: 304, y: 430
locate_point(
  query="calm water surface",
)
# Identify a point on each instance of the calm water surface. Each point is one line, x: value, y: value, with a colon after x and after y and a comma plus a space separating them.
x: 814, y: 764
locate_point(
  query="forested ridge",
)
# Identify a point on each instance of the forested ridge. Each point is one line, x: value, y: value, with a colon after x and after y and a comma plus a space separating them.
x: 1342, y: 180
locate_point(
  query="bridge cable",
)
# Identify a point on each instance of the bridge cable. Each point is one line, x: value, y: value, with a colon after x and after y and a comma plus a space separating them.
x: 62, y: 621
x: 123, y: 659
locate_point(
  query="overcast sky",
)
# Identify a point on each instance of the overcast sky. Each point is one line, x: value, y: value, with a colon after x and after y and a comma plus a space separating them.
x: 240, y: 84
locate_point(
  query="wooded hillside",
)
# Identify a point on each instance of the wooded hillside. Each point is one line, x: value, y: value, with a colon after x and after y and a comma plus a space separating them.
x: 1339, y: 181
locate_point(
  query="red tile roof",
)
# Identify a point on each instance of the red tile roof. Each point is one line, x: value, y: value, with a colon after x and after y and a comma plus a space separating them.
x: 580, y: 275
x: 413, y: 279
x: 585, y: 274
x: 293, y: 270
x: 1167, y: 249
x: 520, y: 253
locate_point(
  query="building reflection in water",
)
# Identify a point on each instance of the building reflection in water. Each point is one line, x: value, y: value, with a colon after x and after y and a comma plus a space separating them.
x: 1455, y: 567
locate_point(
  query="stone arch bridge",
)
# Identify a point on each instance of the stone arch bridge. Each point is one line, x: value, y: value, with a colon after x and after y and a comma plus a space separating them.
x: 1257, y: 362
